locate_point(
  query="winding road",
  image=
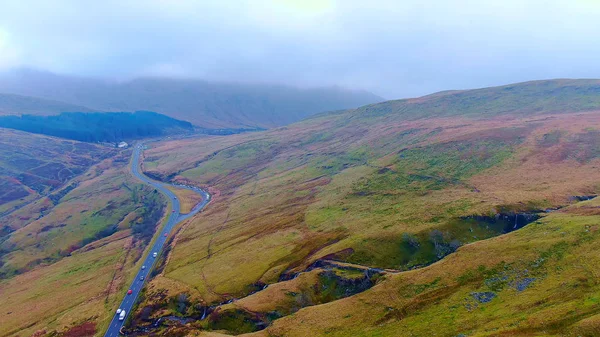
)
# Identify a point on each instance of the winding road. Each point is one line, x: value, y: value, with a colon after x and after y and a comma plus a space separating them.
x: 173, y: 218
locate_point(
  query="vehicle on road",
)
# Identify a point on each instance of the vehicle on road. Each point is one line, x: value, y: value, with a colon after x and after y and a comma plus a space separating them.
x: 135, y: 169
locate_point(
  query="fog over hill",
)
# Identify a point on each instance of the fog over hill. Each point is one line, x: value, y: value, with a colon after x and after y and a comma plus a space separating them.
x: 207, y: 104
x: 18, y: 104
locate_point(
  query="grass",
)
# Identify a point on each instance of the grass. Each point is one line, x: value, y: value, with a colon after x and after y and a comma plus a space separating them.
x: 390, y: 194
x: 384, y: 187
x: 86, y: 286
x: 521, y: 99
x: 560, y: 260
x: 81, y: 276
x: 94, y: 209
x: 187, y: 198
x: 36, y: 165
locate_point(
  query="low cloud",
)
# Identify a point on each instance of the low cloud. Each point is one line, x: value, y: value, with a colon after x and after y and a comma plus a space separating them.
x: 9, y: 55
x: 393, y: 48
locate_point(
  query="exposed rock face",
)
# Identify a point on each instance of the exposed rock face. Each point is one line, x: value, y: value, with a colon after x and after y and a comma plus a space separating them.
x: 582, y: 197
x: 508, y: 221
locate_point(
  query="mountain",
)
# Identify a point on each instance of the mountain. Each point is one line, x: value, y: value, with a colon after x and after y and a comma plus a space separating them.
x: 459, y: 213
x: 206, y: 104
x: 18, y: 104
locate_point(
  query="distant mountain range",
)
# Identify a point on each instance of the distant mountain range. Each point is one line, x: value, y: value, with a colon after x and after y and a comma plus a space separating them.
x: 203, y: 103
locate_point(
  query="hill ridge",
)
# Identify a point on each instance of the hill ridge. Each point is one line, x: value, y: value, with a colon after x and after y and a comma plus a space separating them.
x: 531, y: 97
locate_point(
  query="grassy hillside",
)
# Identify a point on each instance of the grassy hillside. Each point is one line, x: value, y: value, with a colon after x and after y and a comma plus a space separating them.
x: 207, y: 104
x: 69, y: 257
x: 89, y: 209
x: 32, y: 165
x: 524, y: 99
x: 426, y: 210
x: 539, y: 281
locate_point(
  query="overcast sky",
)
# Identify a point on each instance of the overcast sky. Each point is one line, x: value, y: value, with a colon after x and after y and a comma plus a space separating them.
x: 394, y: 48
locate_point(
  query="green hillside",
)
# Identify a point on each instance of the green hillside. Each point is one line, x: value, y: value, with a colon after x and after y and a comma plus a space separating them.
x: 344, y: 224
x: 67, y: 258
x: 379, y: 222
x: 34, y: 165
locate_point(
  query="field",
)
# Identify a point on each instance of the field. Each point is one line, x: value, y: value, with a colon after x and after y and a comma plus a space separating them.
x: 429, y: 201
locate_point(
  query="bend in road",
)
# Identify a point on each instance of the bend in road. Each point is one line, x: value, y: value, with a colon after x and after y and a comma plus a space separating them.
x: 174, y: 218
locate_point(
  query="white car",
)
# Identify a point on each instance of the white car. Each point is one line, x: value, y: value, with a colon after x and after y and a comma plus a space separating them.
x: 143, y: 267
x: 155, y: 254
x: 118, y: 311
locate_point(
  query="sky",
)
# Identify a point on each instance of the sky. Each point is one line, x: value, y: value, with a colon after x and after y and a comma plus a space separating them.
x: 393, y: 48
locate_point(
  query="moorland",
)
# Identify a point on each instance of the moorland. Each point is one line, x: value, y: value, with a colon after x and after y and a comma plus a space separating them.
x: 461, y: 213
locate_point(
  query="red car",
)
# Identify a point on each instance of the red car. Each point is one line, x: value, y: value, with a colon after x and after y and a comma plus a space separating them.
x: 129, y: 292
x: 165, y: 235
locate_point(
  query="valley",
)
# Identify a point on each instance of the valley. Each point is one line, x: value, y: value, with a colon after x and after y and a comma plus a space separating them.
x: 68, y: 253
x: 299, y: 168
x: 389, y: 219
x: 428, y: 205
x: 149, y: 262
